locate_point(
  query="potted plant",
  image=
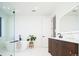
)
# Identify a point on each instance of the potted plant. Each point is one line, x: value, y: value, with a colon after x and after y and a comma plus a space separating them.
x: 31, y: 40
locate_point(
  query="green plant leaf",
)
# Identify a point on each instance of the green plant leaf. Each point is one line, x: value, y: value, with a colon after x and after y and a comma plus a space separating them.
x: 31, y: 38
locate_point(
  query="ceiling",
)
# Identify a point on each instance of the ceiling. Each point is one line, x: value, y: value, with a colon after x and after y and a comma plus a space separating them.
x: 31, y: 8
x: 74, y: 11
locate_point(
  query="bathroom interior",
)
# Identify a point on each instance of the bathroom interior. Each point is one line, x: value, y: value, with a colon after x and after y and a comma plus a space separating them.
x: 67, y: 26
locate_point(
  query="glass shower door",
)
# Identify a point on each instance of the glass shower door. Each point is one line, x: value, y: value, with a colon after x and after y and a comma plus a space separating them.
x: 7, y: 33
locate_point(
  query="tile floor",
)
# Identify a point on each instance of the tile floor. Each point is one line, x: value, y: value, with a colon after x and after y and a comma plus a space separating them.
x: 33, y: 52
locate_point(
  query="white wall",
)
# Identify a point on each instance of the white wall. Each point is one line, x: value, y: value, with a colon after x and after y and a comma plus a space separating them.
x: 36, y: 25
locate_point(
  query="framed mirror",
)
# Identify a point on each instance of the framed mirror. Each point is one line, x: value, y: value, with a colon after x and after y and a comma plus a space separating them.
x: 70, y: 21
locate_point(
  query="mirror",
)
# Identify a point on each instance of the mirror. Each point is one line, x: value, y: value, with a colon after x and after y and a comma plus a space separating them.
x: 70, y: 21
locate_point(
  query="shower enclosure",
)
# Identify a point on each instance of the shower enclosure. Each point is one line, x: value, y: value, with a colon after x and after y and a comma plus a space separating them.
x: 7, y: 20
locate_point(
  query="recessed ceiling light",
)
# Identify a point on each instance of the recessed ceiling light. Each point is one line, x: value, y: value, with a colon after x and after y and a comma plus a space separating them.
x: 8, y: 8
x: 33, y: 10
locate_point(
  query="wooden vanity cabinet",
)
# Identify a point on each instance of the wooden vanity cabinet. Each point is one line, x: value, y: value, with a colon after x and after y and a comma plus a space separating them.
x: 50, y: 45
x: 62, y: 48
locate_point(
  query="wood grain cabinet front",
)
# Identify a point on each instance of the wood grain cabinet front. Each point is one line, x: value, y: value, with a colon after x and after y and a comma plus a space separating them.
x: 62, y: 48
x: 69, y: 48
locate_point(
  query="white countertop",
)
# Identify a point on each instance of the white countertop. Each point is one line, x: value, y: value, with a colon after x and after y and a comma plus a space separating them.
x: 67, y: 39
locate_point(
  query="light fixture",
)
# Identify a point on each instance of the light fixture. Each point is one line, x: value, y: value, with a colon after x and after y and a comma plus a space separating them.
x: 9, y: 8
x: 75, y: 9
x: 33, y: 10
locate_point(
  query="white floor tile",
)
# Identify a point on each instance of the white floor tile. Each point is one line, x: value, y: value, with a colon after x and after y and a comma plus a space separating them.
x: 33, y: 52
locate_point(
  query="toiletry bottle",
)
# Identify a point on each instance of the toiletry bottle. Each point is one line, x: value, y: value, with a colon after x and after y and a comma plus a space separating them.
x: 20, y: 38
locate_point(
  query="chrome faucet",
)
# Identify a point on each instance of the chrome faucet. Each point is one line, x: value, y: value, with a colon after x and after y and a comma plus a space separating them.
x: 59, y: 35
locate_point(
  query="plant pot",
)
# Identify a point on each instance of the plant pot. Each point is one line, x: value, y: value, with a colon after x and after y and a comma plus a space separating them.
x: 31, y: 44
